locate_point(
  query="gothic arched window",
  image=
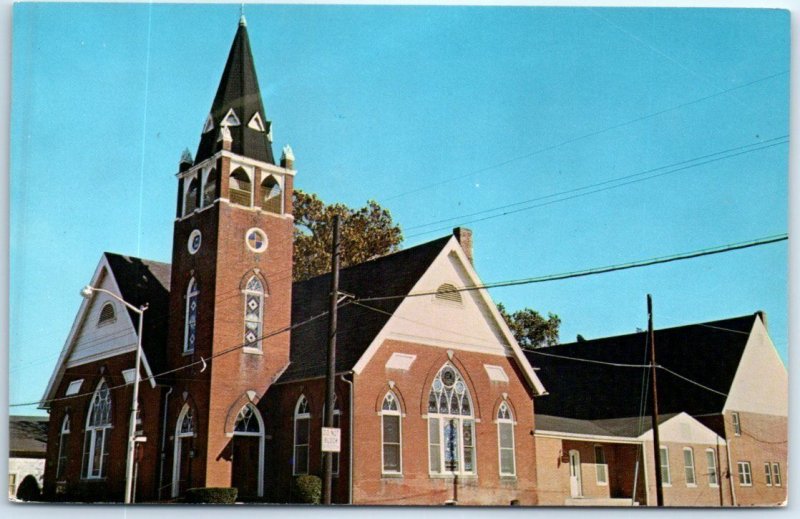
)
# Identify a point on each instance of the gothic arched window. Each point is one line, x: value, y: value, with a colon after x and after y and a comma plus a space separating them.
x: 98, y: 430
x: 240, y: 188
x: 253, y: 312
x: 190, y: 329
x: 302, y: 426
x: 210, y: 188
x: 392, y: 451
x: 247, y: 421
x: 451, y: 424
x: 190, y: 200
x: 271, y: 195
x: 63, y: 438
x: 505, y: 440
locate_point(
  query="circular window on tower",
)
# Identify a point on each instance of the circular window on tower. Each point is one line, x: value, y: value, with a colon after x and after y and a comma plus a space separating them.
x: 195, y: 238
x: 256, y: 240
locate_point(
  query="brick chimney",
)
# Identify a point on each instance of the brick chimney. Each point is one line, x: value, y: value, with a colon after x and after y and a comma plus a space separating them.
x: 464, y: 237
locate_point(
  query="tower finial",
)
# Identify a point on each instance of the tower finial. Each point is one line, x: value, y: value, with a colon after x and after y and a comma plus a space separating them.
x: 242, y: 20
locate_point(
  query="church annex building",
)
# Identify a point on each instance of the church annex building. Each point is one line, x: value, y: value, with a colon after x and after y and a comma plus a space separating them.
x: 428, y: 387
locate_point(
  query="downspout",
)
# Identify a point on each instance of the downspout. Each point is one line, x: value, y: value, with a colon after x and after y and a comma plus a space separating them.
x: 350, y: 453
x: 163, y: 445
x: 730, y: 475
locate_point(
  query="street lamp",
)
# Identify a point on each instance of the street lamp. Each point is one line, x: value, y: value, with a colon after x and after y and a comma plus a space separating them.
x: 87, y: 292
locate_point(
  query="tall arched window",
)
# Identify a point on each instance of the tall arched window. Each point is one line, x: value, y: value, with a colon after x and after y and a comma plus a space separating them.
x: 63, y: 438
x: 253, y: 312
x: 451, y: 424
x: 182, y: 456
x: 98, y: 430
x: 271, y: 195
x: 190, y: 200
x: 302, y: 423
x: 210, y: 188
x: 190, y: 328
x: 240, y: 188
x: 391, y: 436
x: 505, y: 440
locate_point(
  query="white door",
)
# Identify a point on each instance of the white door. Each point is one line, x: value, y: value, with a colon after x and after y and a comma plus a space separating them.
x: 575, y: 474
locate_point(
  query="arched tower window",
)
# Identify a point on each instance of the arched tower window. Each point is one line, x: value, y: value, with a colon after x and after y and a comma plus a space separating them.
x: 190, y: 329
x: 63, y: 439
x: 392, y: 451
x: 451, y: 424
x: 240, y: 188
x: 210, y: 188
x: 107, y: 314
x: 505, y: 440
x: 271, y: 195
x: 302, y: 425
x: 253, y: 312
x: 98, y: 430
x: 190, y: 200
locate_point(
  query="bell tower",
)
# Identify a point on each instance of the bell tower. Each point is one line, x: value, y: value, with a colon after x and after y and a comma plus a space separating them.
x: 231, y: 284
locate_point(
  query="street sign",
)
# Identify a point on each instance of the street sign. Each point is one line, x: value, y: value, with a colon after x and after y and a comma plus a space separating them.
x: 331, y: 439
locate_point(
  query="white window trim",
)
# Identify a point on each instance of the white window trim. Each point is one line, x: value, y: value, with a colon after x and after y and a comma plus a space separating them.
x: 665, y: 463
x: 602, y: 483
x: 768, y: 473
x: 459, y: 419
x: 93, y: 430
x: 263, y: 235
x: 301, y: 416
x: 399, y: 415
x: 692, y: 466
x: 737, y: 424
x: 204, y: 185
x: 191, y: 290
x: 743, y: 481
x: 178, y: 446
x: 260, y: 436
x: 256, y: 348
x: 776, y: 470
x: 508, y: 421
x: 712, y: 468
x: 62, y: 455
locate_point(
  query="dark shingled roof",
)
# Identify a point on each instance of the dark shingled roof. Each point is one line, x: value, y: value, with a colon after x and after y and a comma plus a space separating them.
x: 629, y: 427
x: 238, y: 89
x: 596, y: 391
x: 145, y: 281
x: 27, y: 436
x: 395, y: 274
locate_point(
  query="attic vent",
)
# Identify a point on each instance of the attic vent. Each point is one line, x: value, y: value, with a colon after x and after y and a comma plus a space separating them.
x: 230, y: 119
x: 209, y: 124
x: 107, y: 314
x: 256, y: 123
x: 448, y: 292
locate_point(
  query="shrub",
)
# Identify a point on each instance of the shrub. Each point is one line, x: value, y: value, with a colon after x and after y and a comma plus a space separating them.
x: 216, y: 495
x: 307, y: 489
x: 29, y: 489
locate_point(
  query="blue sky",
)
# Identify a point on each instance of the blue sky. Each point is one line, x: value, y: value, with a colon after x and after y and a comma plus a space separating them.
x: 392, y: 104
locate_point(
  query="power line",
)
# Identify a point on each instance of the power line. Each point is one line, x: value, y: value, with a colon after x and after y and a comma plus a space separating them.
x: 599, y: 270
x: 584, y: 136
x: 602, y: 183
x: 691, y: 381
x: 615, y: 186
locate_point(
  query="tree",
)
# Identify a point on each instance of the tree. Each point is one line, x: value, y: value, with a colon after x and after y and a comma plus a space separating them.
x: 531, y: 329
x: 366, y: 233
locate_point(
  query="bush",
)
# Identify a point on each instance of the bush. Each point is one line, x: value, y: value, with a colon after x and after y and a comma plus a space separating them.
x: 29, y: 489
x: 216, y: 495
x: 307, y: 489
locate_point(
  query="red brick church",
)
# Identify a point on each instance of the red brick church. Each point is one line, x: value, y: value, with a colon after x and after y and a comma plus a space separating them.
x: 428, y: 387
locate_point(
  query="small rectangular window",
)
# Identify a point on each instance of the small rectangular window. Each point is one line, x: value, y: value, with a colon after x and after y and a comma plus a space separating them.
x: 665, y: 479
x: 688, y: 466
x: 600, y: 465
x: 745, y: 475
x: 737, y: 425
x: 768, y: 474
x: 776, y: 474
x: 711, y: 460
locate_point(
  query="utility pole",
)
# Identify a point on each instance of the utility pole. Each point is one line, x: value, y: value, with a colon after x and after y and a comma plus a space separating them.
x: 331, y: 372
x: 654, y: 402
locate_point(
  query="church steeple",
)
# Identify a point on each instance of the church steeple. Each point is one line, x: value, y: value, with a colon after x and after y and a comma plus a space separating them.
x: 238, y: 107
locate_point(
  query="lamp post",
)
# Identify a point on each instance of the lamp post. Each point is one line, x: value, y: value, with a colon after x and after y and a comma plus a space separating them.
x: 87, y: 292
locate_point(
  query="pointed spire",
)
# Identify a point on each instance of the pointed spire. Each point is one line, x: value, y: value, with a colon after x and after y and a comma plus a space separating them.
x: 242, y: 20
x: 237, y: 101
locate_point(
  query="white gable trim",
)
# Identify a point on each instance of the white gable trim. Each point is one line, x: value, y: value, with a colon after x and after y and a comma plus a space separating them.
x: 453, y: 247
x: 701, y: 435
x: 103, y: 269
x: 586, y: 437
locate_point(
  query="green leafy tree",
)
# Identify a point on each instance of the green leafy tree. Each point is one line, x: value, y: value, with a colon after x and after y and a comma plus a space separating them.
x: 531, y: 329
x: 366, y: 233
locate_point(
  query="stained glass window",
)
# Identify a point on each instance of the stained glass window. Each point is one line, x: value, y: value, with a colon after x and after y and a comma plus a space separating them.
x: 95, y: 450
x: 451, y: 427
x: 256, y: 240
x: 253, y: 312
x: 246, y: 420
x: 187, y: 423
x: 192, y: 301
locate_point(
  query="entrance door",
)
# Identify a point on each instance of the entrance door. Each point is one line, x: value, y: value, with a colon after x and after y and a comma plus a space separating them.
x: 244, y: 470
x: 575, y: 474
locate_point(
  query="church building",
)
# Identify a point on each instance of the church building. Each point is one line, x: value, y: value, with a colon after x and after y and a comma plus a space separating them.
x: 434, y: 397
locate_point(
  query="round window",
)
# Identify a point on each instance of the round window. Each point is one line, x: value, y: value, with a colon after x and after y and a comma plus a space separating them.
x: 448, y: 376
x: 256, y: 240
x: 194, y: 241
